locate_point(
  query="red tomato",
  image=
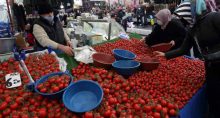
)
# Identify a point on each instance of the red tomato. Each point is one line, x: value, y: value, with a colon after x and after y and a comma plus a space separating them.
x: 43, y: 90
x: 42, y: 112
x: 6, y: 112
x: 165, y: 110
x: 88, y: 115
x: 3, y: 105
x: 158, y: 108
x: 147, y: 108
x: 172, y: 112
x: 107, y: 113
x: 137, y: 107
x: 156, y: 115
x: 14, y: 106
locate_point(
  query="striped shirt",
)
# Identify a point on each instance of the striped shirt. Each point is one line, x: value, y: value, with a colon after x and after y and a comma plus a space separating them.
x: 184, y: 11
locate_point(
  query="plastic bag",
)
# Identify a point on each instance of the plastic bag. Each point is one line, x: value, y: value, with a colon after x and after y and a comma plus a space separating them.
x: 84, y: 54
x: 62, y: 64
x: 124, y: 36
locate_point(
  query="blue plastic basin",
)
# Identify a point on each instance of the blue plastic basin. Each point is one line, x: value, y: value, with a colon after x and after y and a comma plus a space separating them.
x: 126, y: 67
x: 56, y: 95
x: 83, y: 96
x: 121, y: 54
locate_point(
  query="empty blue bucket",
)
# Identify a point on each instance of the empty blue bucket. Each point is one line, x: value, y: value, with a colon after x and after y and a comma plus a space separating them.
x: 121, y: 54
x: 83, y: 96
x: 126, y: 67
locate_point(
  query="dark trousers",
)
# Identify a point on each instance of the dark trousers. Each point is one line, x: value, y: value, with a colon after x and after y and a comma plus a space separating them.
x: 213, y: 88
x: 139, y: 20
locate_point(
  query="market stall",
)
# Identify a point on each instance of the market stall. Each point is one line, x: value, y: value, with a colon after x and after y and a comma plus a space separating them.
x: 174, y: 89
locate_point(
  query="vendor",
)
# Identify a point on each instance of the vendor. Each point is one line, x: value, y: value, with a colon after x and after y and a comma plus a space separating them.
x: 167, y: 30
x: 49, y: 32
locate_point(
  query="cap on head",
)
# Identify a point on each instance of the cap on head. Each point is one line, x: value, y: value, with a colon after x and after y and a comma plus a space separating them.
x: 44, y: 9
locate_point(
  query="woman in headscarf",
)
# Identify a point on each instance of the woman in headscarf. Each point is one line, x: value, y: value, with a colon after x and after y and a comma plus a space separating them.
x: 205, y: 35
x: 167, y: 30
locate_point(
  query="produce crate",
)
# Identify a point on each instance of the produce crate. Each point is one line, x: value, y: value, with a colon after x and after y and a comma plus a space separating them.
x: 62, y: 63
x: 43, y: 67
x: 5, y: 56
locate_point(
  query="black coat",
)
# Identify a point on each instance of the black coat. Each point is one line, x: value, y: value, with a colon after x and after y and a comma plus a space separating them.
x: 54, y: 31
x: 173, y: 31
x: 207, y: 31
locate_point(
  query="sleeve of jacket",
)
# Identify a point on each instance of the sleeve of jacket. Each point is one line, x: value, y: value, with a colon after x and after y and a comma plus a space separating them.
x: 216, y: 23
x: 180, y: 33
x: 185, y: 47
x: 42, y: 37
x: 66, y: 36
x: 153, y: 38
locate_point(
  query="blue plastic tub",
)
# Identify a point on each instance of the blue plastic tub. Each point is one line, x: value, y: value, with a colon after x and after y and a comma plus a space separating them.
x: 56, y: 95
x: 126, y: 67
x: 83, y: 96
x: 121, y: 54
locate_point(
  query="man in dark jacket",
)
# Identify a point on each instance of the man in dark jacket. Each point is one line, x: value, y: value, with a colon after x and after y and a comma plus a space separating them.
x: 139, y: 14
x: 49, y: 32
x: 205, y: 34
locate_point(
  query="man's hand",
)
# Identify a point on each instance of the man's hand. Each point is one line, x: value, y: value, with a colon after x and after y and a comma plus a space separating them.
x: 159, y: 54
x: 142, y: 40
x: 68, y: 43
x: 172, y: 43
x: 66, y: 49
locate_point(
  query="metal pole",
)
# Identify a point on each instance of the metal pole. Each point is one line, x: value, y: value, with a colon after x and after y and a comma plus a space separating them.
x: 10, y: 18
x: 109, y: 30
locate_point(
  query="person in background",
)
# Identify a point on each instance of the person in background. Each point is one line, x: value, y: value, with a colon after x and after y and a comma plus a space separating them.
x: 126, y: 18
x: 205, y: 34
x: 120, y: 14
x: 77, y: 13
x: 49, y: 32
x: 148, y: 14
x: 167, y: 30
x: 183, y: 12
x: 29, y: 35
x: 139, y: 13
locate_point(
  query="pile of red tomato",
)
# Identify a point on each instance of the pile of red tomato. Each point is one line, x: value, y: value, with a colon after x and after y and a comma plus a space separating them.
x: 20, y: 102
x: 133, y: 45
x: 156, y: 94
x: 41, y: 64
x: 160, y: 93
x: 54, y: 84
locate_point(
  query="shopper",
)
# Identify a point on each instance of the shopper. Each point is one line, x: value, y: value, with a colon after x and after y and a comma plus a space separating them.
x: 167, y: 30
x: 49, y: 32
x: 205, y: 34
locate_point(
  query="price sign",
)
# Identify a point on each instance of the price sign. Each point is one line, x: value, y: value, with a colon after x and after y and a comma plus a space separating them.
x: 13, y: 80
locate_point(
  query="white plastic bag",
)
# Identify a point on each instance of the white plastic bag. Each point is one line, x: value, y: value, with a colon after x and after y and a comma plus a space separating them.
x: 62, y: 64
x: 124, y: 36
x: 84, y: 54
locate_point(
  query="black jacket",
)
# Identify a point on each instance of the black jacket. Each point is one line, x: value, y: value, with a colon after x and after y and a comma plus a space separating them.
x: 173, y: 31
x: 55, y: 32
x: 207, y: 32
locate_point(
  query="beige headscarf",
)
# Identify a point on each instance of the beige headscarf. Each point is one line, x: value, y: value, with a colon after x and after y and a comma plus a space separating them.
x: 164, y: 16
